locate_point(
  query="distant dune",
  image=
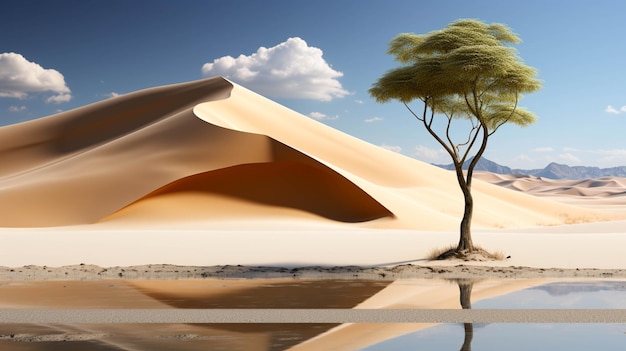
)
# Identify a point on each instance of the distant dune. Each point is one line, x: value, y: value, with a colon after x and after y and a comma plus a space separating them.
x: 606, y: 193
x: 210, y: 150
x: 601, y: 187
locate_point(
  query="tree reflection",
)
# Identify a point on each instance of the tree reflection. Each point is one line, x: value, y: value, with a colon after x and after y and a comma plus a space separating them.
x: 465, y: 297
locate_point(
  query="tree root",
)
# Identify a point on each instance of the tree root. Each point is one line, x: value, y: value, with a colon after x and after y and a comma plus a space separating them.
x: 478, y: 254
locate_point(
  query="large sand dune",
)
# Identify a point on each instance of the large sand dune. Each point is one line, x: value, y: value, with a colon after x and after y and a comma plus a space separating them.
x: 211, y: 150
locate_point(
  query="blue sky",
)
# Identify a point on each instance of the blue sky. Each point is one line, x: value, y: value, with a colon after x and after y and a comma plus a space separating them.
x: 320, y: 58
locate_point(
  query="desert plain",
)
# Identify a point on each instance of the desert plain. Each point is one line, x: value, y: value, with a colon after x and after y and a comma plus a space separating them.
x: 206, y: 189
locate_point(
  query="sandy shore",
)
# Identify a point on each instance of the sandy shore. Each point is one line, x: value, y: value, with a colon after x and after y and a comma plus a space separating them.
x: 408, y: 271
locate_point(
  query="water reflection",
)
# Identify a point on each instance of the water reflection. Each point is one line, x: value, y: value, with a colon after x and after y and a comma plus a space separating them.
x: 566, y: 288
x: 596, y: 294
x: 465, y: 294
x: 589, y: 294
x: 204, y: 294
x: 286, y: 294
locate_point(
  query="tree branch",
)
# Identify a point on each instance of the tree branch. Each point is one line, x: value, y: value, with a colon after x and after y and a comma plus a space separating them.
x: 469, y: 136
x: 508, y: 118
x: 414, y: 114
x: 427, y: 125
x: 479, y: 154
x: 455, y: 148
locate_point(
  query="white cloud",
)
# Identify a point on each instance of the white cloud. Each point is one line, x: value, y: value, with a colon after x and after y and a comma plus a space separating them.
x: 615, y: 111
x: 427, y: 154
x: 611, y: 109
x: 17, y: 108
x: 524, y: 158
x: 543, y: 149
x: 613, y: 157
x: 20, y: 77
x: 291, y: 69
x: 63, y: 97
x: 112, y: 94
x: 317, y: 115
x: 570, y: 149
x: 568, y: 157
x: 394, y: 148
x: 373, y: 120
x: 360, y: 102
x: 321, y: 117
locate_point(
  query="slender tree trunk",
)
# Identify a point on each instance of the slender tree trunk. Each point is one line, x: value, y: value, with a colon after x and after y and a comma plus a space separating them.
x: 465, y: 293
x: 469, y: 335
x: 465, y: 238
x: 465, y: 289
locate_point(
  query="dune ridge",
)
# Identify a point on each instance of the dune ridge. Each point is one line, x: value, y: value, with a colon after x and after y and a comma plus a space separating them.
x: 606, y: 193
x: 211, y: 149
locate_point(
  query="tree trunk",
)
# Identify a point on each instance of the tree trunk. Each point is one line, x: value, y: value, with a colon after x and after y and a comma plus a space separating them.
x: 469, y: 335
x: 465, y: 293
x: 465, y: 239
x: 465, y: 290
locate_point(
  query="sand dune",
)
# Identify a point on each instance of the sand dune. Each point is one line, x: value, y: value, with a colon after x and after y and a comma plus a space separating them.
x: 189, y: 172
x: 210, y: 149
x: 607, y: 193
x: 601, y: 187
x: 272, y: 186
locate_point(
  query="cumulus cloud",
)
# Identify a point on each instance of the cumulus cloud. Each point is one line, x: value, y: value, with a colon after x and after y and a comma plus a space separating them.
x: 20, y: 77
x: 568, y: 157
x: 394, y: 148
x: 321, y: 117
x: 427, y: 154
x: 360, y: 102
x: 291, y: 69
x: 112, y: 94
x: 373, y: 119
x: 615, y: 111
x: 17, y: 108
x: 64, y: 97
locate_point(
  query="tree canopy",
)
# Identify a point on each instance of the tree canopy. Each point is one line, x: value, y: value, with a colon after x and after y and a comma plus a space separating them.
x: 468, y: 59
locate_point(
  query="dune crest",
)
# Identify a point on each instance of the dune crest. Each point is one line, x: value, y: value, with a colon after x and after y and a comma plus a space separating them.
x: 211, y: 149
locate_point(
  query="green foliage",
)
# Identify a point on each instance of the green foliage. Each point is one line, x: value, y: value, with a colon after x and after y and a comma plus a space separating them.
x: 468, y: 61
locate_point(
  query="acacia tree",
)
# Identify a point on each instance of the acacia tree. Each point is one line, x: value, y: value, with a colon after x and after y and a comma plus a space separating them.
x: 466, y: 71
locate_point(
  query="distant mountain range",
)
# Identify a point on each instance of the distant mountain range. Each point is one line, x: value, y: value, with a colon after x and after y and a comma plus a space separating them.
x: 552, y: 171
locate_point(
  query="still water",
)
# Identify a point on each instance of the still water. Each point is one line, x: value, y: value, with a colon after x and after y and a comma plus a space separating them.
x: 418, y: 294
x: 512, y: 337
x: 529, y: 336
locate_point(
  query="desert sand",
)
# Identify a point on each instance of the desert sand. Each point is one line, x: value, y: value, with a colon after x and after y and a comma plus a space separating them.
x: 210, y: 180
x: 209, y: 173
